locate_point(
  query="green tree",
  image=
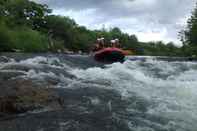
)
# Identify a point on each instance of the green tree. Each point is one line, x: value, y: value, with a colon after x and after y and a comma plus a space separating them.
x: 188, y: 35
x: 24, y: 12
x: 115, y: 32
x: 59, y: 27
x: 5, y: 37
x: 83, y: 39
x: 191, y: 31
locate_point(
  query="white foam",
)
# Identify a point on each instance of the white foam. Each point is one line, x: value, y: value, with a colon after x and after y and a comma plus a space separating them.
x: 175, y: 96
x: 35, y: 60
x: 37, y: 68
x: 171, y: 85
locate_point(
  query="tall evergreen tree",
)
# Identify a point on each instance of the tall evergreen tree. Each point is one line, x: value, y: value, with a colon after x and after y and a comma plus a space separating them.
x: 189, y: 35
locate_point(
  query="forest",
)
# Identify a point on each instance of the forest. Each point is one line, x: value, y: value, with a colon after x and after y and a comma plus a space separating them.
x: 26, y: 26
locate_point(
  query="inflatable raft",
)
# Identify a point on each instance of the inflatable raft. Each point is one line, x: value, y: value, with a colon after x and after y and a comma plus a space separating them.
x: 109, y: 55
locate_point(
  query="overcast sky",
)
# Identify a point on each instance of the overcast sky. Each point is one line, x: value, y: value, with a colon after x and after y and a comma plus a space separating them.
x: 150, y: 20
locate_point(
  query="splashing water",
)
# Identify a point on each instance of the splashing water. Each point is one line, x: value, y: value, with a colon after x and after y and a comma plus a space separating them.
x: 169, y: 88
x: 162, y: 95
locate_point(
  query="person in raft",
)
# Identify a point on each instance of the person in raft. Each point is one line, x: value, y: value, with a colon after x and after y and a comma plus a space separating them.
x: 113, y: 43
x: 99, y: 44
x: 117, y: 43
x: 103, y: 42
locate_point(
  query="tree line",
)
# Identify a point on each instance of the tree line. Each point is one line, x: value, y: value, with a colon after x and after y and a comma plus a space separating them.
x: 30, y: 27
x: 188, y: 36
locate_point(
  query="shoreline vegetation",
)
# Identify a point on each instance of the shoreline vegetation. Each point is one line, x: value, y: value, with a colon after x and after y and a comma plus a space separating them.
x: 26, y: 26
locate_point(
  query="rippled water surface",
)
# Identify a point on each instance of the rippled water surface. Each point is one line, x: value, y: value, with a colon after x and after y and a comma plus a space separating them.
x: 144, y: 94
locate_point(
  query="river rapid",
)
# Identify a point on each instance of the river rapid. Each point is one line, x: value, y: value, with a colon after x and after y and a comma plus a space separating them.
x: 141, y: 94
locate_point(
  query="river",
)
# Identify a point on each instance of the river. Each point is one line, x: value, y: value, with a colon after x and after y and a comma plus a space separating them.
x: 141, y: 94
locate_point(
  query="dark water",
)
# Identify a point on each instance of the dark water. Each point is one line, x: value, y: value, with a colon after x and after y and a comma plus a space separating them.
x: 141, y: 94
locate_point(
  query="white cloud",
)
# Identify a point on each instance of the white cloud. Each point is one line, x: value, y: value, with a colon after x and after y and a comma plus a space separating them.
x: 150, y: 20
x: 82, y: 17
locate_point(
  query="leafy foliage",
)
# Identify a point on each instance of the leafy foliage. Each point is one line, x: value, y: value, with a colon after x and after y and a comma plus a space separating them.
x: 24, y: 12
x: 30, y: 28
x: 28, y: 40
x: 5, y: 38
x: 188, y: 36
x: 22, y: 38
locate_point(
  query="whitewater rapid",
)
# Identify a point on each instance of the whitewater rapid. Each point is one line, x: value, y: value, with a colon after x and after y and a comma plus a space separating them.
x: 169, y: 87
x: 164, y: 94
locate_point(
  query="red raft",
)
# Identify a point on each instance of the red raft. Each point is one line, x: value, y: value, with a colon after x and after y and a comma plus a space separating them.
x: 109, y: 55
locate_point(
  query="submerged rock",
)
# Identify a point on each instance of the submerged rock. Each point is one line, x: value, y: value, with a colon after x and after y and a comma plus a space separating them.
x: 83, y: 109
x: 20, y: 96
x: 7, y: 74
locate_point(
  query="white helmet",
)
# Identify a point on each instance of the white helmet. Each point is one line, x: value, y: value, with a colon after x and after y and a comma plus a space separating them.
x: 113, y: 41
x: 98, y: 39
x: 116, y: 40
